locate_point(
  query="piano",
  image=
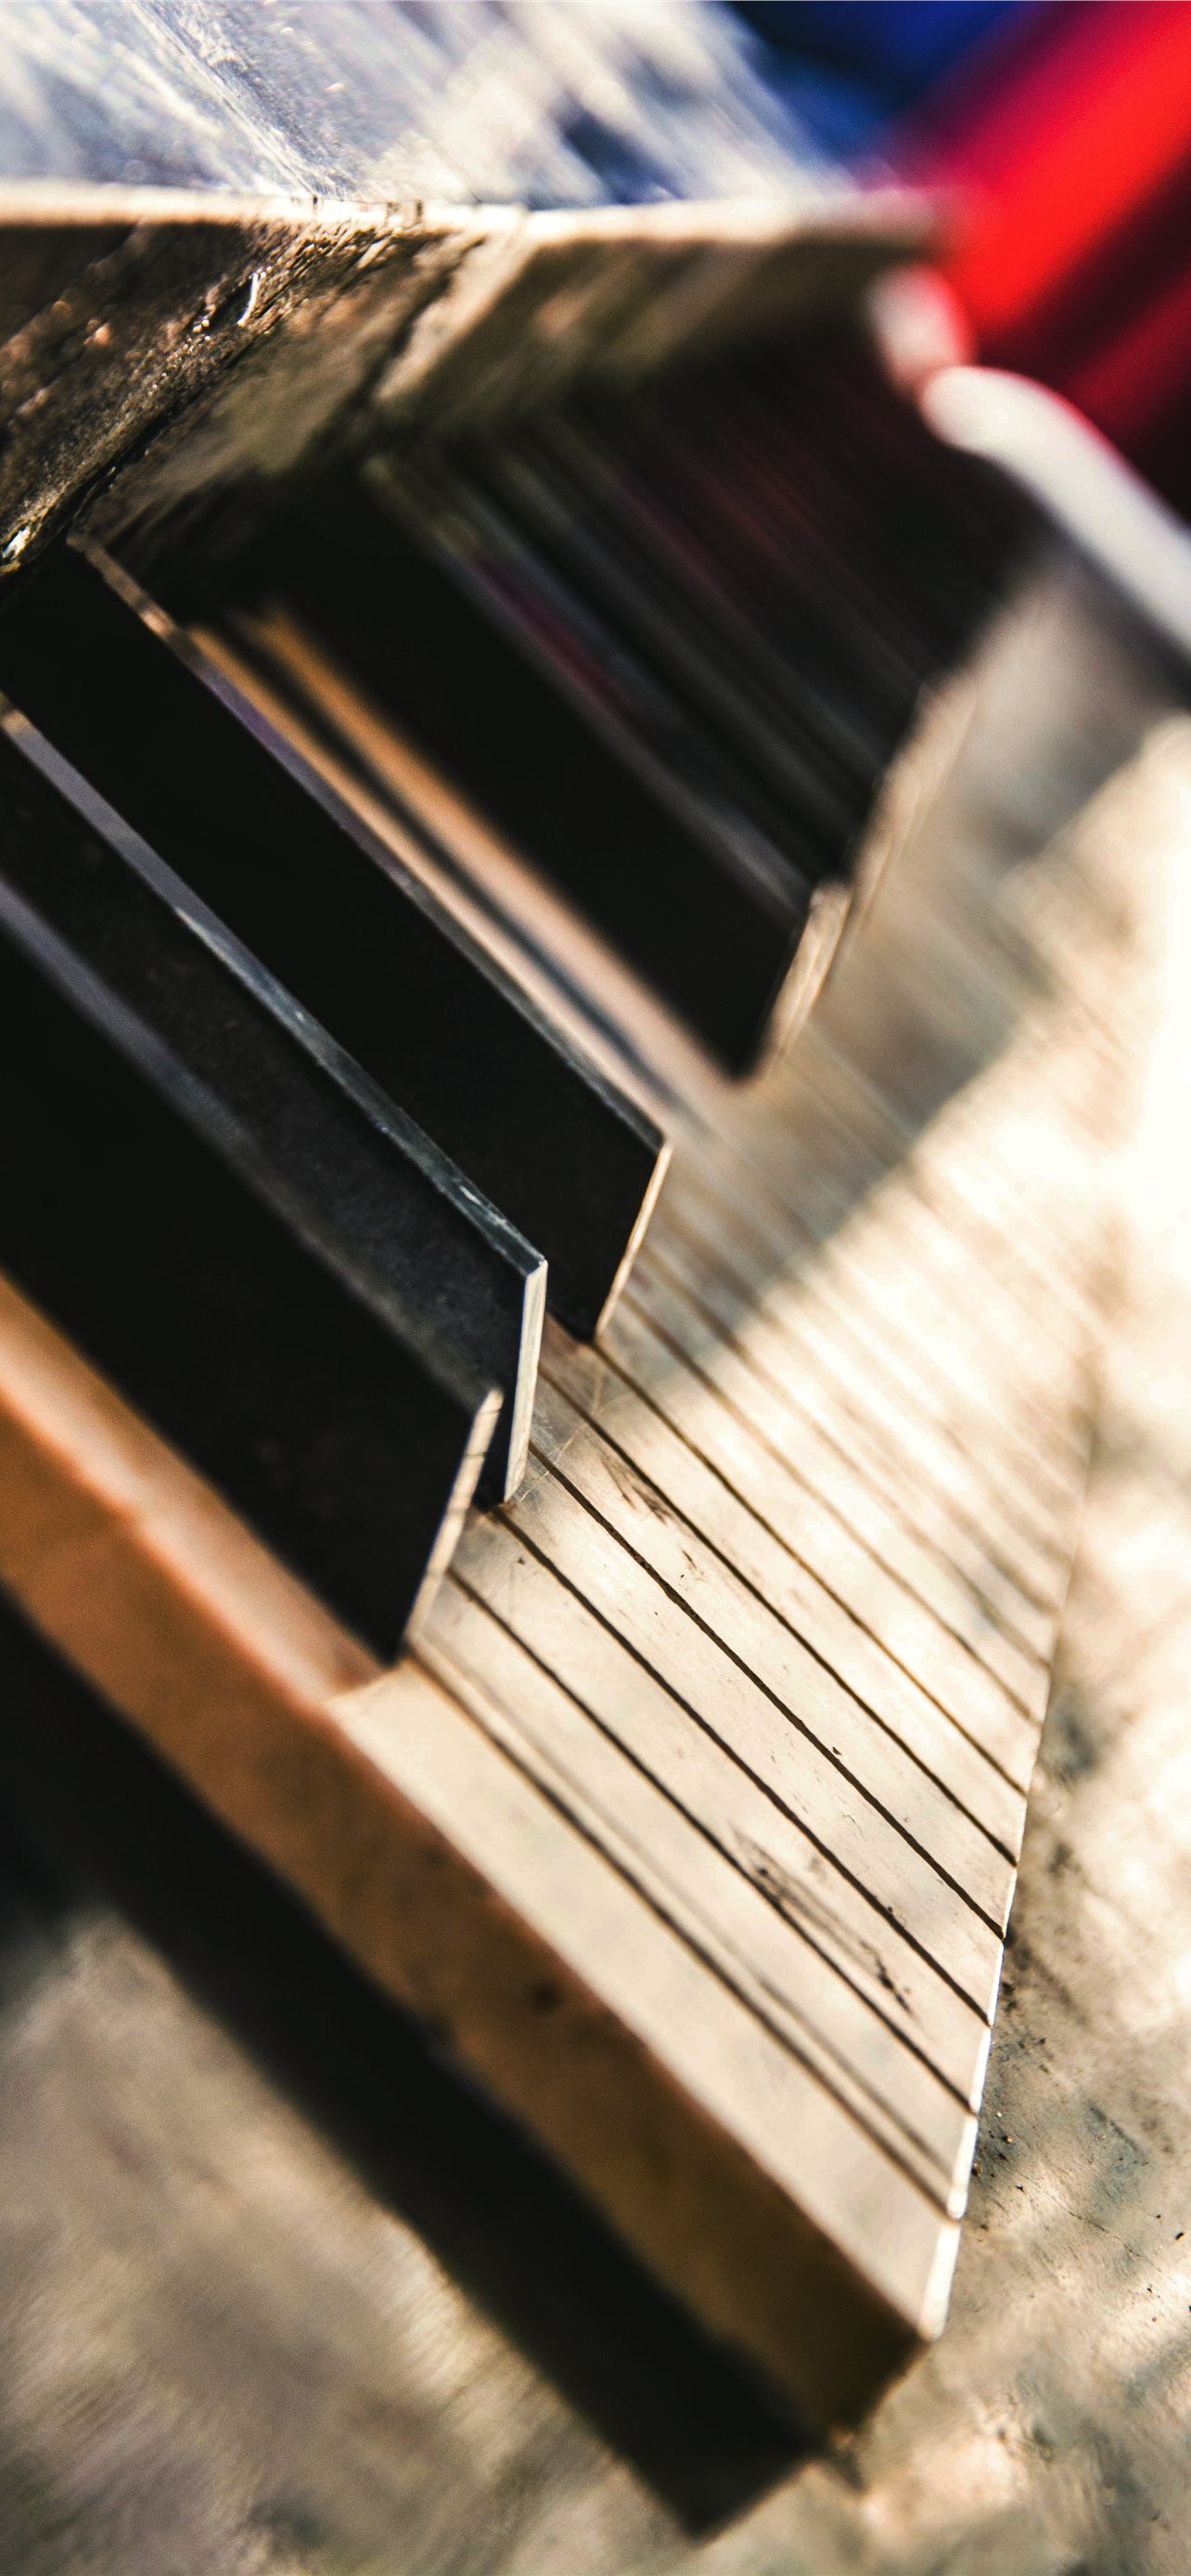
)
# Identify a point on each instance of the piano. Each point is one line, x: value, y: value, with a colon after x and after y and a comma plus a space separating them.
x: 559, y: 1223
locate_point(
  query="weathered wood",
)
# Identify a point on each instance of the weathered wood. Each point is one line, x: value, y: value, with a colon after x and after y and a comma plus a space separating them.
x: 162, y: 343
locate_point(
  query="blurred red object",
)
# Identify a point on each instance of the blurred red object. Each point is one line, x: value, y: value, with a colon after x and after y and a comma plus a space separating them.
x: 1069, y: 155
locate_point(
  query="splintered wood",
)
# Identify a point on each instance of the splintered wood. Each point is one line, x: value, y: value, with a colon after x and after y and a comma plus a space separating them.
x: 692, y: 1821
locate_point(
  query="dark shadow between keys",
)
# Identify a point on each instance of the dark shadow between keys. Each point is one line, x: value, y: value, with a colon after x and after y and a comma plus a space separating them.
x: 91, y: 1825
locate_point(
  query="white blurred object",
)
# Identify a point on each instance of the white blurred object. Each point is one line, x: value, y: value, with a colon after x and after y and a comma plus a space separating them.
x: 1133, y: 540
x: 392, y: 100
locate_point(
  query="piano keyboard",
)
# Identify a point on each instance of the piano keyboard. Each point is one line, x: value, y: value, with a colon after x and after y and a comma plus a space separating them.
x: 377, y: 977
x: 720, y: 636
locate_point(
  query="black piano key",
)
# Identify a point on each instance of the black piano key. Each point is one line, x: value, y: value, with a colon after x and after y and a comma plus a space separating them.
x: 811, y: 457
x: 714, y: 929
x: 814, y: 813
x: 137, y: 1216
x: 826, y: 706
x: 376, y: 1181
x: 785, y: 598
x: 855, y: 480
x: 604, y: 660
x: 360, y: 943
x: 727, y: 598
x: 776, y: 544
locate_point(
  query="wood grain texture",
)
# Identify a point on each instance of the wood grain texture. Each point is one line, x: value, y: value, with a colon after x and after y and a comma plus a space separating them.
x: 162, y: 342
x: 691, y: 1823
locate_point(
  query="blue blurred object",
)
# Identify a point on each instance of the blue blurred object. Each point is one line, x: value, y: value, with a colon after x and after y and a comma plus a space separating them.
x: 848, y: 65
